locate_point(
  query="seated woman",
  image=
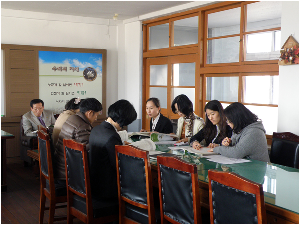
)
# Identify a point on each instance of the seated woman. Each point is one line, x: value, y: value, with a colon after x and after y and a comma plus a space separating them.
x: 215, y: 129
x: 158, y: 122
x: 71, y: 108
x: 189, y: 123
x: 77, y: 127
x: 248, y: 139
x: 102, y: 156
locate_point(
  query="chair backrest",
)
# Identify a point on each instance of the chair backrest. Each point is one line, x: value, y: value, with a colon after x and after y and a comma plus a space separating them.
x: 285, y: 149
x: 235, y: 199
x: 45, y: 158
x: 178, y: 191
x: 77, y: 177
x: 134, y: 183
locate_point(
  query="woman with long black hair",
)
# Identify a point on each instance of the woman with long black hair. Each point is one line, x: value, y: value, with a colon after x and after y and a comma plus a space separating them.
x: 215, y: 129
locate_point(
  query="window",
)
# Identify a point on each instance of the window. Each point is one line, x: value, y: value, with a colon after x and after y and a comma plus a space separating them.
x: 233, y: 49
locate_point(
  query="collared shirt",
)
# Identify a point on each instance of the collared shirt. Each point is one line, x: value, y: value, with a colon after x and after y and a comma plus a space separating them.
x: 154, y: 122
x: 112, y: 125
x: 218, y: 132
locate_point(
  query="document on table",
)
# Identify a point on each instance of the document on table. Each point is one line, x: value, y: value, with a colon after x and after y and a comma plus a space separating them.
x: 225, y: 160
x: 202, y: 152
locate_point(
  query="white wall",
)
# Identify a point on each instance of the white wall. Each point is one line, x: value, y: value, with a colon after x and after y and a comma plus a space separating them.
x: 288, y: 105
x: 43, y: 29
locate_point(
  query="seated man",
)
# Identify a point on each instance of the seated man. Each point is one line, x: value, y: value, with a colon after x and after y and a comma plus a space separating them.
x: 102, y: 158
x: 37, y: 116
x: 77, y: 127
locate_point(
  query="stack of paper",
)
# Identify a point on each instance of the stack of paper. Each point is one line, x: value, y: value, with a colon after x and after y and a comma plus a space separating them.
x: 202, y: 152
x: 225, y: 160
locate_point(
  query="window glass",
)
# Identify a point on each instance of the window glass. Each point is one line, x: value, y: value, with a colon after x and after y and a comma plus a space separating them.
x: 261, y: 89
x: 184, y: 74
x: 159, y: 75
x: 263, y: 46
x: 161, y: 94
x: 159, y: 36
x: 224, y: 23
x: 186, y: 31
x: 268, y: 115
x: 263, y: 15
x: 222, y: 88
x: 224, y: 50
x: 189, y: 92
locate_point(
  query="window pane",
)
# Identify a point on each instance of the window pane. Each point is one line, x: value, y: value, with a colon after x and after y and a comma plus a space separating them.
x: 161, y: 94
x: 159, y: 75
x: 268, y: 115
x: 224, y: 50
x: 189, y: 92
x: 263, y: 15
x: 277, y: 40
x: 224, y: 23
x: 184, y: 74
x: 261, y: 46
x: 159, y: 36
x: 186, y: 31
x: 222, y: 88
x: 261, y: 89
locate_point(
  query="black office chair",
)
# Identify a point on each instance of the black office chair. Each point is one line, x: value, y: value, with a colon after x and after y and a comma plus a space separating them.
x: 80, y: 202
x: 235, y: 199
x: 136, y: 204
x: 27, y: 143
x: 178, y: 191
x: 285, y: 149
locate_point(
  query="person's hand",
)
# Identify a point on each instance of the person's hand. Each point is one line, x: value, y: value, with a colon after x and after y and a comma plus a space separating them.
x: 143, y: 130
x: 212, y: 145
x: 226, y: 141
x: 210, y: 150
x: 183, y: 140
x: 196, y: 145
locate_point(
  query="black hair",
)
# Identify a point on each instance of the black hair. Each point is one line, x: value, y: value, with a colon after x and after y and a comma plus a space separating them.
x: 155, y: 101
x: 36, y: 101
x: 122, y: 112
x: 209, y: 129
x: 90, y: 104
x: 71, y: 104
x: 184, y: 105
x: 239, y: 116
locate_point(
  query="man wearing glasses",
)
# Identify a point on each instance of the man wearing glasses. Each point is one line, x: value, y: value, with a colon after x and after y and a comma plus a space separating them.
x: 37, y: 116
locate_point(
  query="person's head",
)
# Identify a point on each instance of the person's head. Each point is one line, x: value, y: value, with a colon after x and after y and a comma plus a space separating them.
x: 73, y: 104
x: 153, y: 107
x: 182, y: 105
x: 238, y: 116
x: 91, y: 108
x: 214, y: 113
x: 37, y: 107
x: 122, y: 112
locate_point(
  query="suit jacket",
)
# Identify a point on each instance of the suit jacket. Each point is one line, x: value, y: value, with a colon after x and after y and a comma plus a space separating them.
x: 102, y: 161
x: 164, y: 125
x: 31, y: 122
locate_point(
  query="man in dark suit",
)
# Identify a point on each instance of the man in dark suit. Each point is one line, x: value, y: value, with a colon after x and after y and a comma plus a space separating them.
x: 102, y: 158
x: 37, y: 116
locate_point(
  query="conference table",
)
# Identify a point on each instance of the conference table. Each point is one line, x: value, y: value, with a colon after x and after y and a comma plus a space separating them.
x: 280, y: 183
x: 4, y: 137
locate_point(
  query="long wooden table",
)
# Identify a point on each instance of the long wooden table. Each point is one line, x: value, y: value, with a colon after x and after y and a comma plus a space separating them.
x: 280, y: 183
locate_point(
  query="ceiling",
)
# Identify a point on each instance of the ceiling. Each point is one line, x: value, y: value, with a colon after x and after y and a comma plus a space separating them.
x: 95, y: 9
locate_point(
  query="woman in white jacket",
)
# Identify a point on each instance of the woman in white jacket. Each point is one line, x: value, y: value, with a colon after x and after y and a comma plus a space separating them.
x: 189, y: 123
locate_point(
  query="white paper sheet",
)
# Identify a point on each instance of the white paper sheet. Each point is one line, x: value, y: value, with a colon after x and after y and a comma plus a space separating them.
x: 225, y: 160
